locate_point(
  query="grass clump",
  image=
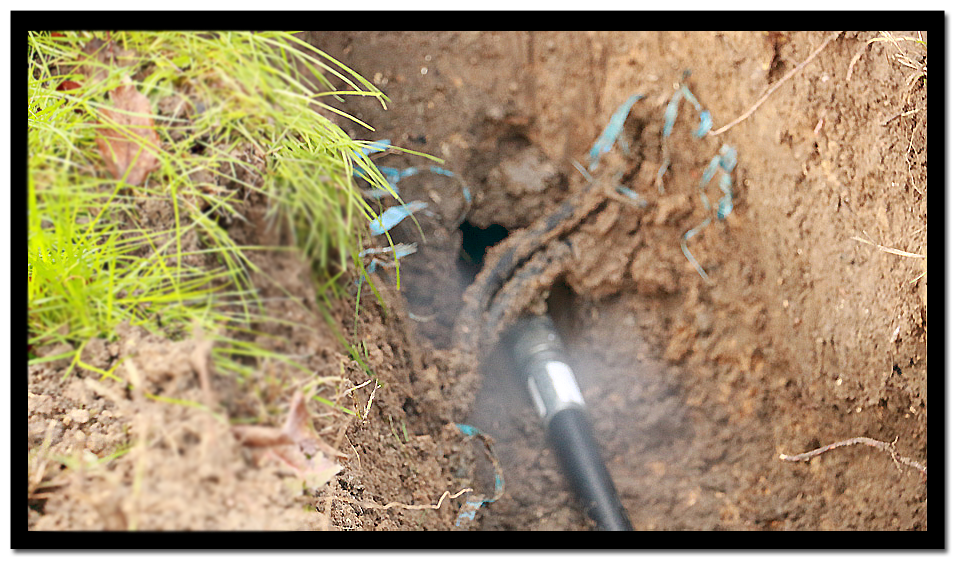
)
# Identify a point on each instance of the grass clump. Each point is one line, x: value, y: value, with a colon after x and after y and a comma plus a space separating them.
x: 236, y: 117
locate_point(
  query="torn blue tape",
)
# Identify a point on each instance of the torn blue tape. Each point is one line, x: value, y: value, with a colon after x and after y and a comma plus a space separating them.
x: 686, y: 252
x: 669, y: 117
x: 475, y: 502
x: 728, y: 161
x: 466, y: 429
x: 706, y: 124
x: 376, y: 194
x: 466, y: 194
x: 394, y: 215
x: 372, y: 147
x: 468, y: 511
x: 710, y: 171
x: 394, y: 175
x: 685, y: 91
x: 726, y: 185
x: 672, y: 111
x: 612, y: 131
x: 627, y: 192
x: 440, y: 171
x: 725, y: 207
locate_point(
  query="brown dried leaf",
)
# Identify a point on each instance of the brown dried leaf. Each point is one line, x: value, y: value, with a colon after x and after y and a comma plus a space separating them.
x: 68, y: 86
x: 299, y: 428
x: 296, y: 445
x: 260, y: 436
x: 129, y: 145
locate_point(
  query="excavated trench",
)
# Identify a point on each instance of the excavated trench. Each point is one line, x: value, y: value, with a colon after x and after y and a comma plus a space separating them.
x: 799, y: 336
x: 694, y: 386
x: 611, y: 331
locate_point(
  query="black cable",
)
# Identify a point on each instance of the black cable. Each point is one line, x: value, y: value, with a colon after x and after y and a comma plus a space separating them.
x: 541, y: 364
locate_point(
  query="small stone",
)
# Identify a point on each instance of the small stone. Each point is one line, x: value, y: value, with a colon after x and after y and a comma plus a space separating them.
x: 79, y: 415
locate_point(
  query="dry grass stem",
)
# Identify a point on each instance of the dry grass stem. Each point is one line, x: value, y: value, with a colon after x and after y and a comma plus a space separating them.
x: 887, y: 447
x: 367, y: 504
x: 888, y: 249
x: 777, y: 85
x: 901, y: 56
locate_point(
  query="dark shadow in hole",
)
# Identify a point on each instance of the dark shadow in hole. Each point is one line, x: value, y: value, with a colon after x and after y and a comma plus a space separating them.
x: 475, y: 242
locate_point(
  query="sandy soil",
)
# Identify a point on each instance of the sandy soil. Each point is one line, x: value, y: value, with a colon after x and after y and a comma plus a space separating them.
x: 801, y: 336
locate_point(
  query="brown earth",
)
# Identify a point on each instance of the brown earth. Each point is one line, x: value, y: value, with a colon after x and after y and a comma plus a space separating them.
x: 801, y: 336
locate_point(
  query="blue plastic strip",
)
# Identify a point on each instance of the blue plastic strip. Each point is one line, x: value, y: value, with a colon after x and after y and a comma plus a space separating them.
x: 476, y: 501
x: 394, y: 215
x: 612, y: 131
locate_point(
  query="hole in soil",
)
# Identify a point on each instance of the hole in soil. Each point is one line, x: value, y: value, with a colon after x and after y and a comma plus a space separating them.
x: 476, y: 241
x: 409, y: 407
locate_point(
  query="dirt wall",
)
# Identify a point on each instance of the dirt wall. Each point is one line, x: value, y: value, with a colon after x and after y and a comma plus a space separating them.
x: 803, y: 335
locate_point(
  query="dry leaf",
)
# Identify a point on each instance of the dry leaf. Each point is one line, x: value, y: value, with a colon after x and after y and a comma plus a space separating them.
x: 296, y: 445
x: 299, y: 428
x: 129, y: 145
x: 68, y: 85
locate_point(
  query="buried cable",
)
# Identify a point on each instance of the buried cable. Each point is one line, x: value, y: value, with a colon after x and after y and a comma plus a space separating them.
x: 538, y: 353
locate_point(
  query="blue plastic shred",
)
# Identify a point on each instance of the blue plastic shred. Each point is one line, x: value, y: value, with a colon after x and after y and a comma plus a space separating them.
x: 728, y: 161
x: 706, y: 124
x: 612, y: 131
x: 475, y: 502
x: 394, y: 215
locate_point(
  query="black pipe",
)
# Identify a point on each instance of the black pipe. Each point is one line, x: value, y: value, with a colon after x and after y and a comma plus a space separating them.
x: 541, y: 365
